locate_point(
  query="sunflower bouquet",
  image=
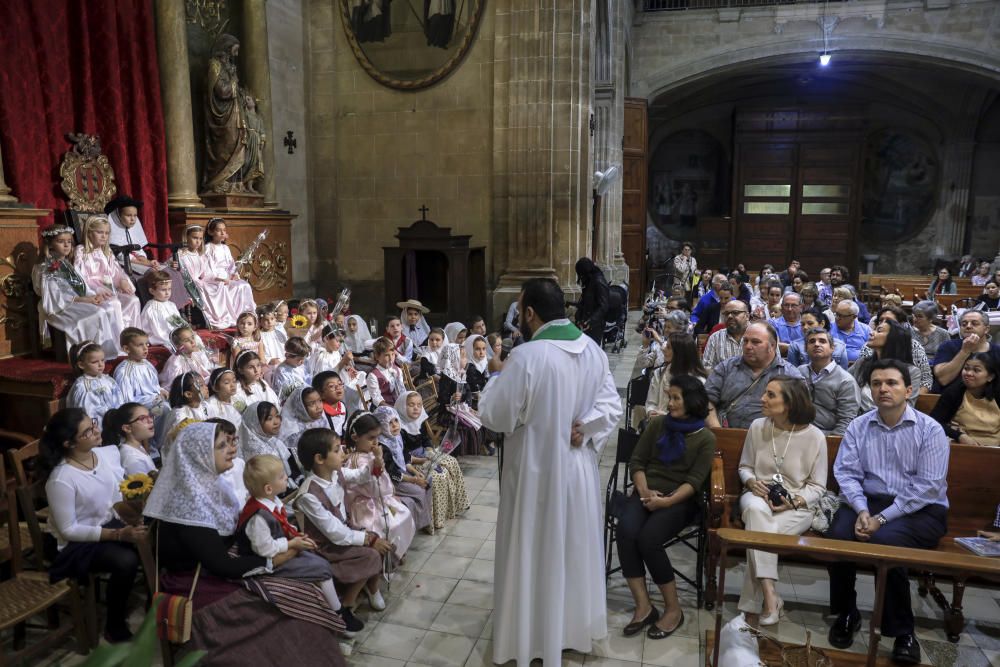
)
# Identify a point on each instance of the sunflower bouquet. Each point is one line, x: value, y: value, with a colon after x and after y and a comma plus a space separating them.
x: 135, y: 490
x: 297, y: 324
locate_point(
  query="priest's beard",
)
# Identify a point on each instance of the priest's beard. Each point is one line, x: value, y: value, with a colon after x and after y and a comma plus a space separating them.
x: 525, y: 331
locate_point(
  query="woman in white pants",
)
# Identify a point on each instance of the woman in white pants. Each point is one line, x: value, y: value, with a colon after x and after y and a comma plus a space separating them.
x: 782, y: 448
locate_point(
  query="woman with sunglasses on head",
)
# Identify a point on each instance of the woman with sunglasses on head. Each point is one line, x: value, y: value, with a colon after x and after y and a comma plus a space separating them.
x: 82, y: 489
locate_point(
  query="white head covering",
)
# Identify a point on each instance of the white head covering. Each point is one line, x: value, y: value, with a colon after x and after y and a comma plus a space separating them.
x: 135, y: 235
x: 295, y: 419
x: 253, y: 440
x: 411, y: 426
x: 450, y: 362
x: 480, y: 364
x: 189, y: 490
x: 355, y: 342
x: 385, y: 415
x: 423, y: 328
x: 451, y: 331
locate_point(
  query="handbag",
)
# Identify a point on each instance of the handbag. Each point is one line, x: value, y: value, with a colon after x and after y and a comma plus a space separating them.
x: 823, y: 511
x: 173, y: 612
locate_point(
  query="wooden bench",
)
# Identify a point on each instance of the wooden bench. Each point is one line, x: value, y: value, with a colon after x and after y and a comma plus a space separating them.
x: 972, y: 498
x: 880, y: 557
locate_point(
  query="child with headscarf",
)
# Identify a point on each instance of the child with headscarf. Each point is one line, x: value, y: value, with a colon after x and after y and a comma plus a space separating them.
x: 411, y: 486
x: 357, y: 335
x: 302, y: 411
x: 445, y: 474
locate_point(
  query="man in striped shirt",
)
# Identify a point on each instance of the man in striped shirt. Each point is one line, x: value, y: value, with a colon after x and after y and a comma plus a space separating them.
x: 892, y: 469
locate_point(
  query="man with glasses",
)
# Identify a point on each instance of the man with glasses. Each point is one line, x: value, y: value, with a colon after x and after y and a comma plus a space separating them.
x: 974, y: 332
x: 849, y: 330
x: 825, y: 287
x: 834, y: 391
x: 788, y: 326
x: 725, y: 343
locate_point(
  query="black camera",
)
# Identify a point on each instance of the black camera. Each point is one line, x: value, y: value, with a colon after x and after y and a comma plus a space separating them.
x: 777, y: 494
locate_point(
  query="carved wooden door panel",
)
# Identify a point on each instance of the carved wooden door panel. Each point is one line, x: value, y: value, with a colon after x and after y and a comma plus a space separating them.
x: 634, y: 197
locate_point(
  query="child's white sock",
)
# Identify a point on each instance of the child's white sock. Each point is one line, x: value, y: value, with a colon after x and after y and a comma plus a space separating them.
x: 330, y: 593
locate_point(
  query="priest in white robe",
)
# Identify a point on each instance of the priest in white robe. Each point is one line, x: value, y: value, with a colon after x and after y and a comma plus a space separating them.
x: 556, y: 402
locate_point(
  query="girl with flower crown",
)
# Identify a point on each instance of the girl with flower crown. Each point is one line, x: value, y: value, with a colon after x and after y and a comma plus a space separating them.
x: 93, y: 260
x: 66, y: 302
x: 223, y: 296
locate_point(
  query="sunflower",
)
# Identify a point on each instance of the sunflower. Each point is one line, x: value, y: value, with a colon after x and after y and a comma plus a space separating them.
x: 136, y: 486
x: 298, y: 321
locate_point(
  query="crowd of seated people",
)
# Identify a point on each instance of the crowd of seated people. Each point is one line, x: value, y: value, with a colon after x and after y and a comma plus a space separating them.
x: 790, y: 377
x: 268, y: 461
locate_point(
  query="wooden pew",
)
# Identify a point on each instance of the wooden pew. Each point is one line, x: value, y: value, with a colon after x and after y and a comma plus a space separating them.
x: 972, y: 497
x: 880, y: 557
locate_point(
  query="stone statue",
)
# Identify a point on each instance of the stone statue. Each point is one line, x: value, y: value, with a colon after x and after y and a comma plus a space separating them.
x: 234, y: 132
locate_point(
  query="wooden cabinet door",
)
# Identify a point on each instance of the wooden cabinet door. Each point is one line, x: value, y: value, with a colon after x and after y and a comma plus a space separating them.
x: 634, y: 197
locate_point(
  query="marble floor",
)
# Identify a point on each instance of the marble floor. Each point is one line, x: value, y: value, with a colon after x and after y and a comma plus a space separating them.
x: 440, y: 602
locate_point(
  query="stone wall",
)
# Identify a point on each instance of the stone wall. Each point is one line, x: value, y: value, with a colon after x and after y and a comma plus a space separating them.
x: 377, y: 155
x: 286, y: 50
x: 677, y: 52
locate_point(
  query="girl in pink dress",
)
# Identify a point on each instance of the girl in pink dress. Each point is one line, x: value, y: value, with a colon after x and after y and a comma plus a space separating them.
x: 93, y: 260
x: 371, y: 505
x: 232, y: 295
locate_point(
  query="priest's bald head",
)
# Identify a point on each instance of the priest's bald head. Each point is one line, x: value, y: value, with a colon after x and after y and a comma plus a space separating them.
x: 541, y: 301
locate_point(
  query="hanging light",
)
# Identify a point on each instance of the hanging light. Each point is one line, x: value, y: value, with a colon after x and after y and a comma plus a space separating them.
x: 824, y: 59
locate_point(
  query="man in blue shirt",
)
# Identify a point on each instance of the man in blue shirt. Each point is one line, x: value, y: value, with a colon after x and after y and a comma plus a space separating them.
x: 892, y: 468
x: 848, y: 329
x: 706, y: 314
x: 789, y: 325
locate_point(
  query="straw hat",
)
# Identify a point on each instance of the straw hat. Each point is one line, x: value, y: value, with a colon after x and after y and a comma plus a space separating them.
x: 413, y: 303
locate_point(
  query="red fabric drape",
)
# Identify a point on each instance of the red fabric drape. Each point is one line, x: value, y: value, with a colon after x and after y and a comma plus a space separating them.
x: 82, y: 66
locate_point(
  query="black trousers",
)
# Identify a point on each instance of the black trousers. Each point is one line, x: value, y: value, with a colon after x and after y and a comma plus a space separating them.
x: 920, y: 530
x: 641, y: 535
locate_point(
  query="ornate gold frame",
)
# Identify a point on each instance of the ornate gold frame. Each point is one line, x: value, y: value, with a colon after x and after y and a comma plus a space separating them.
x: 86, y: 155
x: 415, y: 84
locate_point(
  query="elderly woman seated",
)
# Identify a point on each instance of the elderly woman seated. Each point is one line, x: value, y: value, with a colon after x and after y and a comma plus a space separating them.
x: 783, y: 469
x: 670, y: 466
x: 925, y: 331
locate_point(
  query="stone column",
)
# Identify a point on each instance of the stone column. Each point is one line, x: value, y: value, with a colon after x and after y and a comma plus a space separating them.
x: 953, y: 211
x: 5, y: 197
x: 175, y: 95
x: 542, y: 161
x: 257, y: 71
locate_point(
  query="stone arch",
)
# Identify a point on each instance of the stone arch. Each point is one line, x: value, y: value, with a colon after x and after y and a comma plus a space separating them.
x: 768, y: 51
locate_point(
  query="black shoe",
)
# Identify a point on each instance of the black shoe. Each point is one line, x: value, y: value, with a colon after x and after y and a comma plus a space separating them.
x: 117, y: 635
x: 352, y: 624
x: 842, y: 632
x: 635, y: 627
x: 655, y: 632
x: 906, y: 650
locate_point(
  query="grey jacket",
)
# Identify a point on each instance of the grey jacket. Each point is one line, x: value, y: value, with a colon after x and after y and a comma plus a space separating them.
x: 835, y: 396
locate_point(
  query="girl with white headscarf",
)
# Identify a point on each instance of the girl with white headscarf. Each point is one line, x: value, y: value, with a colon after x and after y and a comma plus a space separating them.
x: 410, y: 485
x: 197, y: 512
x: 357, y: 334
x: 447, y: 480
x: 302, y: 411
x: 452, y: 331
x: 259, y: 435
x: 477, y: 370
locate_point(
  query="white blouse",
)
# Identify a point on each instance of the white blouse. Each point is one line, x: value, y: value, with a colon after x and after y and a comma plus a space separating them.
x: 135, y: 460
x: 82, y: 501
x: 260, y: 391
x: 335, y: 530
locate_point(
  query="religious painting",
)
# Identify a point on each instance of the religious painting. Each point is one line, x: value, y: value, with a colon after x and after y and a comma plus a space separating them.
x: 410, y: 44
x: 901, y: 176
x: 687, y: 181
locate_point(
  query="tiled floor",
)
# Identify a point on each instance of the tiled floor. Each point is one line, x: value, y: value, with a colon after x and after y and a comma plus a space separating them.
x: 440, y: 602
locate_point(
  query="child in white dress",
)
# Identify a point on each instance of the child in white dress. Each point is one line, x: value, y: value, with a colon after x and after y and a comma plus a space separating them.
x: 250, y: 385
x: 131, y: 427
x: 189, y: 356
x: 188, y: 400
x: 291, y: 373
x: 222, y: 304
x: 160, y: 316
x: 92, y: 390
x: 221, y: 390
x: 137, y: 379
x: 327, y: 355
x: 93, y: 260
x: 281, y: 319
x: 230, y: 294
x: 66, y: 302
x: 247, y: 336
x: 271, y: 338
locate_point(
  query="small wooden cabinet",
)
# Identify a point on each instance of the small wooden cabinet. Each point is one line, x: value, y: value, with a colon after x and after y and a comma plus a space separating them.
x: 18, y: 254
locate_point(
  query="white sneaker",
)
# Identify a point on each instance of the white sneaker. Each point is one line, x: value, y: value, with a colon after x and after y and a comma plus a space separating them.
x: 375, y: 600
x: 346, y: 648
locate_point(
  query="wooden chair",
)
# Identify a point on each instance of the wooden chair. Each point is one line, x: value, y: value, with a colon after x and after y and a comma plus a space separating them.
x: 28, y: 594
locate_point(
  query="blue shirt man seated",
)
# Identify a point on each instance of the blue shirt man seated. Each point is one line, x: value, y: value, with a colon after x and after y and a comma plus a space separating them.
x: 848, y: 329
x: 892, y: 468
x: 789, y: 325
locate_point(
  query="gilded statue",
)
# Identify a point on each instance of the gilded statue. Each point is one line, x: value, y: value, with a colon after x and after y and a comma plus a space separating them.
x: 234, y: 132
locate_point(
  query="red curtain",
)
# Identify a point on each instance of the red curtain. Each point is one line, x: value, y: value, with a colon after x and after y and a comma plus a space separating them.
x: 82, y: 66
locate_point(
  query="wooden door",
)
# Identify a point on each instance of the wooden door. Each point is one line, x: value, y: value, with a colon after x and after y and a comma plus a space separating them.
x: 826, y: 207
x: 765, y: 188
x: 634, y: 198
